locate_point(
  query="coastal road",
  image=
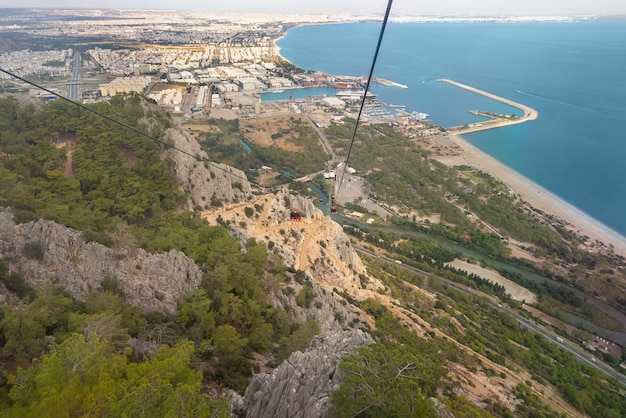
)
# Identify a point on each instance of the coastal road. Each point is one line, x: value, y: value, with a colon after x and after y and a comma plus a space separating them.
x: 577, y: 352
x: 73, y: 84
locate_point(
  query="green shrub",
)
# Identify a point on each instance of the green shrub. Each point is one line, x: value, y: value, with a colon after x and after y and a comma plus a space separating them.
x: 305, y: 296
x: 33, y: 250
x: 16, y: 284
x: 24, y: 216
x: 111, y: 284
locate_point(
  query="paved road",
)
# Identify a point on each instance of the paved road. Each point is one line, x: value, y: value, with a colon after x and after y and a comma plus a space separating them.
x: 73, y: 84
x: 580, y: 354
x: 310, y: 177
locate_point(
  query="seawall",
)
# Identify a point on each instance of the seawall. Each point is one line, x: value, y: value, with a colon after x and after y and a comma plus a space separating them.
x: 529, y: 112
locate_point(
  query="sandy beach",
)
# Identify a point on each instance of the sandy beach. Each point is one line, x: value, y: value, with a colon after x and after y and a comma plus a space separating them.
x: 535, y: 195
x: 276, y: 48
x: 532, y: 193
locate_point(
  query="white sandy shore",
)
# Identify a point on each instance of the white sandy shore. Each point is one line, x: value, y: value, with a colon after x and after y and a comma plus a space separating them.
x: 276, y: 48
x: 532, y: 193
x: 536, y: 195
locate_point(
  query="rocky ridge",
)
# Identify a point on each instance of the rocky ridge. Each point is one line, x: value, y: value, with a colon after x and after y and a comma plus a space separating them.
x: 302, y: 385
x: 206, y: 184
x: 316, y: 245
x: 59, y: 255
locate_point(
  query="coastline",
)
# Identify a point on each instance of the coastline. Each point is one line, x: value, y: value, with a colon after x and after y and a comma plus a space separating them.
x: 538, y: 197
x: 276, y: 48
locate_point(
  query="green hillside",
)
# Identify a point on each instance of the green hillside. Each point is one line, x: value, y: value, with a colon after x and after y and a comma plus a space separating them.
x: 118, y: 182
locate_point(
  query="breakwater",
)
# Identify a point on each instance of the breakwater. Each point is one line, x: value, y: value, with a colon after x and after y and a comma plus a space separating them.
x: 529, y: 112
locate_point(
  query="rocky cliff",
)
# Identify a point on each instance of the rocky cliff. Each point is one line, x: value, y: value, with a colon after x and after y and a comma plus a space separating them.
x: 302, y: 385
x: 45, y: 252
x: 316, y: 246
x: 206, y: 184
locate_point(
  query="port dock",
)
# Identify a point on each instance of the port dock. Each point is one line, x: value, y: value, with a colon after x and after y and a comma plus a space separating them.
x: 385, y: 82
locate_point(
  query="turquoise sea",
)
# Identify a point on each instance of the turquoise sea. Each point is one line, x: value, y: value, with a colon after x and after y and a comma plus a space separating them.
x: 573, y: 73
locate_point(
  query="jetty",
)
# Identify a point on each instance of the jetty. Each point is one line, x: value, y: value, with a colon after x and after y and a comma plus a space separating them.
x: 384, y: 82
x: 496, y: 122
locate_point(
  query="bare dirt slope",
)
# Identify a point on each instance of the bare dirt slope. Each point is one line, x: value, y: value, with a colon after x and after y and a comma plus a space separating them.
x: 260, y: 131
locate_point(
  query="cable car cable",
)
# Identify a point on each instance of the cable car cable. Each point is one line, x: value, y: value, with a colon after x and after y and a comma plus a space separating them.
x: 137, y: 131
x: 367, y: 86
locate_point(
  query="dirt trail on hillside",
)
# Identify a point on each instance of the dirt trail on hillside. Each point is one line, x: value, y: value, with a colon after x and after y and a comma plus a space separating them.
x: 315, y: 230
x: 312, y: 229
x: 68, y: 168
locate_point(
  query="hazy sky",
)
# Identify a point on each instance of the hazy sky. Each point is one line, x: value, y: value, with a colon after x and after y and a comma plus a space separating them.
x: 400, y: 7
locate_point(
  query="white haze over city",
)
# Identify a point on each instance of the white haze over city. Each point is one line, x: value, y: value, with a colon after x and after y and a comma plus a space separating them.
x: 400, y: 7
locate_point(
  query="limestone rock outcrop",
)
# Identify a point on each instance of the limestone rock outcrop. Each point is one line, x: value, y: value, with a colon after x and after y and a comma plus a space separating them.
x: 206, y: 184
x: 149, y: 281
x: 343, y: 263
x: 301, y: 387
x: 316, y: 245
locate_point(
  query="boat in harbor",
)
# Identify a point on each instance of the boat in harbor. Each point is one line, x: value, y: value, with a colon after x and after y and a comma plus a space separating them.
x: 419, y: 116
x: 354, y: 94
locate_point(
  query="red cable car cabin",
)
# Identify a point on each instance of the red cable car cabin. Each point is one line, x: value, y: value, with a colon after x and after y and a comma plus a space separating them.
x: 295, y: 215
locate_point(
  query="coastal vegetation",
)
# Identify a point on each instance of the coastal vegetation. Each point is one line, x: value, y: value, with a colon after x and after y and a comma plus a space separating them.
x: 101, y: 355
x: 477, y: 212
x: 421, y: 183
x: 500, y: 347
x: 396, y: 376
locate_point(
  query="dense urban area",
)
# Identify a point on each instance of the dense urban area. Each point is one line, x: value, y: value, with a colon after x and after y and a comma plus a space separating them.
x: 189, y: 67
